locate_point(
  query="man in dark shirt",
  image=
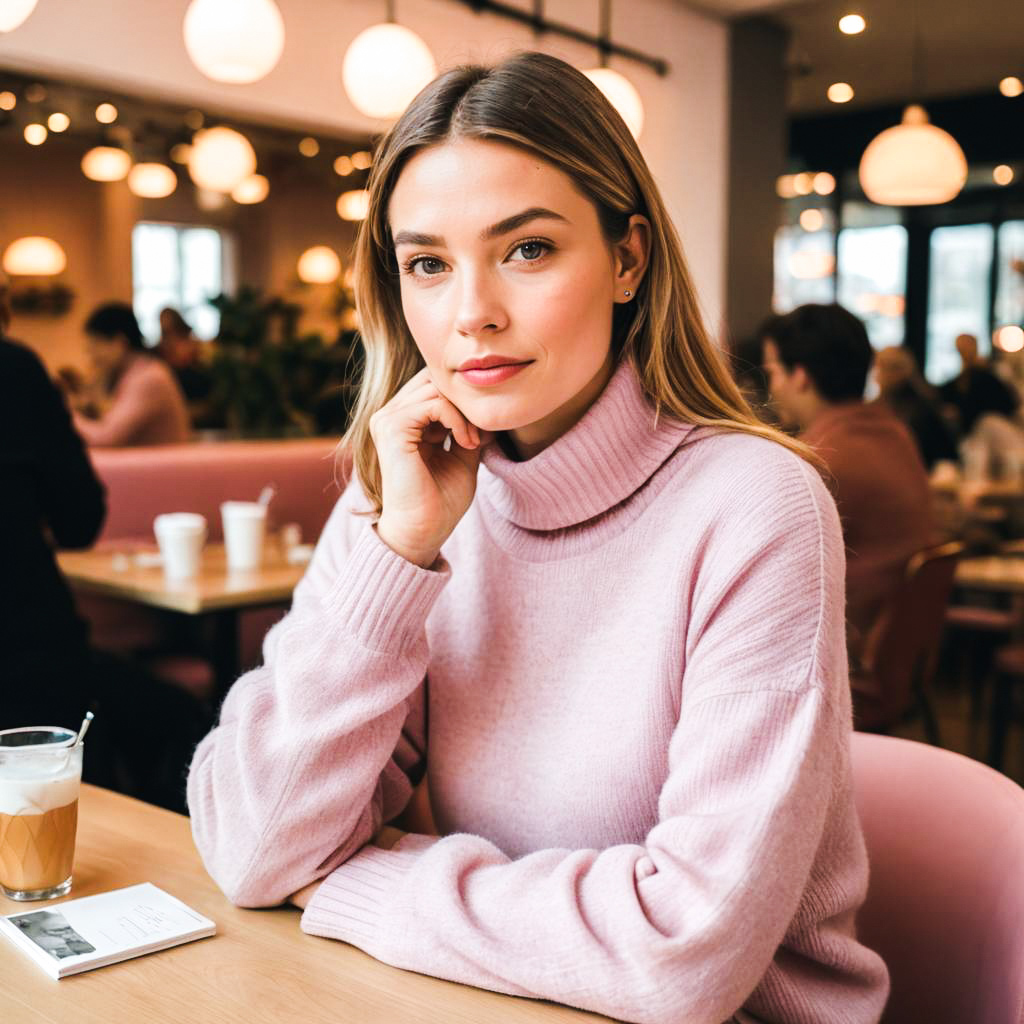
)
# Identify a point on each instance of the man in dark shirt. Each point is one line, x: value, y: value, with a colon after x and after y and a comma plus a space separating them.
x: 976, y: 390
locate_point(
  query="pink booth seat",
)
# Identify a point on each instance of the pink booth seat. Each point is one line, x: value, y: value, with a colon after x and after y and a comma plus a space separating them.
x: 945, y: 905
x: 143, y: 482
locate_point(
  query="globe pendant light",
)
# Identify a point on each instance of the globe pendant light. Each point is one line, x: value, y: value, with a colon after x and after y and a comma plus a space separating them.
x: 34, y: 256
x: 617, y: 88
x: 220, y: 159
x: 234, y: 41
x: 353, y: 205
x: 14, y: 12
x: 251, y: 190
x: 106, y: 163
x: 319, y: 265
x: 385, y: 66
x: 152, y: 181
x: 913, y: 164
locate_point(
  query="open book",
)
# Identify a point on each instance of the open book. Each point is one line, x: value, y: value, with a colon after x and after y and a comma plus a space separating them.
x: 95, y: 931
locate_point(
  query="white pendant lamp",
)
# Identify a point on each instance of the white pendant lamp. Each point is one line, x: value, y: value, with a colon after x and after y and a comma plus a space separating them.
x: 14, y: 12
x: 319, y: 265
x: 34, y: 256
x: 913, y: 164
x: 152, y: 181
x: 106, y: 163
x: 251, y: 190
x: 234, y: 41
x: 220, y: 159
x: 354, y: 205
x: 385, y: 66
x: 622, y: 95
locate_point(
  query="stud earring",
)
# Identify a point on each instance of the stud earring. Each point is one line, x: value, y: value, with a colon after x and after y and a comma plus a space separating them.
x: 628, y: 293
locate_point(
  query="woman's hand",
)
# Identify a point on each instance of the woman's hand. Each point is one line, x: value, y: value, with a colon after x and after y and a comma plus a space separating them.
x: 425, y: 489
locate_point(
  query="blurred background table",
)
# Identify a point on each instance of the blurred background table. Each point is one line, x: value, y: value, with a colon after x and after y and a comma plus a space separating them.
x: 260, y: 967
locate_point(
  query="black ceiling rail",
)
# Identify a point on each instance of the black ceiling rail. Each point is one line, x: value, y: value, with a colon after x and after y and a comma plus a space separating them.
x: 541, y: 24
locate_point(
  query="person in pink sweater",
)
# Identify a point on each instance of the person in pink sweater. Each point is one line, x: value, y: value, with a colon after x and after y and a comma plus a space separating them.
x: 578, y: 615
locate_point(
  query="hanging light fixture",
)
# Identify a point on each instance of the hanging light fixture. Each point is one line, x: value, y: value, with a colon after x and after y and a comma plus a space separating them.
x: 220, y: 158
x: 106, y: 163
x: 617, y: 88
x: 354, y: 205
x: 34, y: 256
x: 913, y: 163
x: 234, y: 41
x: 385, y: 66
x: 14, y: 12
x: 319, y: 265
x: 253, y: 189
x: 152, y: 180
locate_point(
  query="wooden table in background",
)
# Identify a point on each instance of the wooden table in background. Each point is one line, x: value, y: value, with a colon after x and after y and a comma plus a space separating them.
x: 259, y: 968
x: 214, y: 592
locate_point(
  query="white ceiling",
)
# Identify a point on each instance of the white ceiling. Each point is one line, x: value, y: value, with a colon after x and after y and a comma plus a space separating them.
x: 967, y: 46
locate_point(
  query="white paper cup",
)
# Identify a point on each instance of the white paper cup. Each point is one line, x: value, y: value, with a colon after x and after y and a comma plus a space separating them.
x: 244, y: 525
x: 181, y: 536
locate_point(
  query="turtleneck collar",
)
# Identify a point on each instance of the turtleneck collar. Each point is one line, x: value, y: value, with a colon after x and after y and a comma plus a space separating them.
x: 597, y: 464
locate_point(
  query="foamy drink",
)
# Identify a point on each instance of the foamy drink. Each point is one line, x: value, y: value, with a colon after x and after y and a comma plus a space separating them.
x: 40, y: 775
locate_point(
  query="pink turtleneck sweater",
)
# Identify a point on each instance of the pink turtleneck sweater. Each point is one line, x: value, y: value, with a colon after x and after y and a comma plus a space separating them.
x: 628, y: 678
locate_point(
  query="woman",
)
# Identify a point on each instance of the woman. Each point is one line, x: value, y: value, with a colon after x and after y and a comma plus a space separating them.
x: 146, y: 405
x: 577, y: 587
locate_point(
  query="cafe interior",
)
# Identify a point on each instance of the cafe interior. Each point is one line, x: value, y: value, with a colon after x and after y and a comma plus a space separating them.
x: 201, y: 168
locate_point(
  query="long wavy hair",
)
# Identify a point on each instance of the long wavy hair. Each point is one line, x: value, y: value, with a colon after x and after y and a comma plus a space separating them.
x: 548, y: 108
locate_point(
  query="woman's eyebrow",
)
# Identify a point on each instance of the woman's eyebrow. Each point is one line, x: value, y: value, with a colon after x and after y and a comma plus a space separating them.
x: 503, y: 227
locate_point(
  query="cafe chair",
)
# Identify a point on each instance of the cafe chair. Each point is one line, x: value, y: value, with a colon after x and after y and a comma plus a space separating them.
x: 945, y: 902
x: 892, y: 680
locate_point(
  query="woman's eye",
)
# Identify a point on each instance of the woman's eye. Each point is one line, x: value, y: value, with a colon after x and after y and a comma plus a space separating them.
x: 531, y: 251
x: 425, y: 265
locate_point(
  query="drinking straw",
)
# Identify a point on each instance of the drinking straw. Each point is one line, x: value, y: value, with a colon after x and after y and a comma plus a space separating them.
x: 89, y: 716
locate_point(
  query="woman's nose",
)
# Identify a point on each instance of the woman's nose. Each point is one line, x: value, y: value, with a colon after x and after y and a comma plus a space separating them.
x: 481, y: 309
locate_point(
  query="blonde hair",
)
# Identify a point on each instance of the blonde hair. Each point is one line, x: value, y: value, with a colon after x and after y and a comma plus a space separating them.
x: 548, y: 108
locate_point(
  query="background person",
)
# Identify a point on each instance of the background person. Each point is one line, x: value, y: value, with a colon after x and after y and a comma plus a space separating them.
x: 594, y: 600
x: 145, y: 406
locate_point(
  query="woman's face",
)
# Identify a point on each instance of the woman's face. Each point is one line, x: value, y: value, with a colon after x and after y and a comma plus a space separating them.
x: 502, y: 260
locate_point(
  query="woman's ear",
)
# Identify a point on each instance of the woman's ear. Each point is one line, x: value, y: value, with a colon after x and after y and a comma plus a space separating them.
x: 632, y: 254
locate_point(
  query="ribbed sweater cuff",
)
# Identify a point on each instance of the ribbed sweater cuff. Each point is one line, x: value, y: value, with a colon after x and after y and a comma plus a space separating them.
x: 382, y: 599
x: 352, y: 901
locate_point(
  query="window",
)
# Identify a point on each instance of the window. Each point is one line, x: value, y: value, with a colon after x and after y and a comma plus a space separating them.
x: 804, y: 265
x: 872, y: 279
x: 183, y: 267
x: 958, y: 295
x: 1010, y: 287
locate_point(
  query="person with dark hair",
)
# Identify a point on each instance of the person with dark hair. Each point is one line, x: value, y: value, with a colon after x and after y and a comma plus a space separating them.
x: 146, y: 405
x: 976, y: 391
x: 817, y: 359
x: 179, y: 348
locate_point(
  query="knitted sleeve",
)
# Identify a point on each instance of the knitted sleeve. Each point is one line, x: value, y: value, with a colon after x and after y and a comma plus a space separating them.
x: 684, y: 926
x: 323, y: 742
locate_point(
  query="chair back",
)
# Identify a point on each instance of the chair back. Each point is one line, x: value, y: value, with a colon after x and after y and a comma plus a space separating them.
x: 945, y: 903
x: 903, y: 645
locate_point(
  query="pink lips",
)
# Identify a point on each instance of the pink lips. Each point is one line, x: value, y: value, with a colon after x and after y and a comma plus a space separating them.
x: 491, y: 369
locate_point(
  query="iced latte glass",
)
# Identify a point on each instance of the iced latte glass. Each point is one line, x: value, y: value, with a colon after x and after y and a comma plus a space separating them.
x: 40, y: 775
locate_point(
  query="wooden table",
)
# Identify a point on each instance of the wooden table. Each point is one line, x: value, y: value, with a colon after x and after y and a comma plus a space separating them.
x: 258, y: 969
x: 214, y: 592
x: 1003, y: 573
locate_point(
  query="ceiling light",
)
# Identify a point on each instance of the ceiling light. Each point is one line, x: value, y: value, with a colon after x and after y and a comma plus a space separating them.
x: 362, y: 161
x: 152, y: 180
x: 34, y: 256
x: 106, y: 163
x: 195, y: 119
x: 385, y: 66
x: 106, y: 113
x: 1003, y: 174
x: 354, y: 205
x: 309, y: 146
x: 622, y: 95
x: 852, y: 24
x: 253, y: 189
x: 234, y: 41
x: 803, y: 183
x: 180, y: 152
x: 913, y: 163
x: 58, y: 122
x: 319, y: 265
x: 220, y: 159
x: 14, y: 12
x: 824, y: 183
x: 1010, y: 338
x: 812, y: 220
x: 343, y: 166
x: 840, y: 92
x: 1011, y: 86
x: 35, y: 134
x: 8, y: 101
